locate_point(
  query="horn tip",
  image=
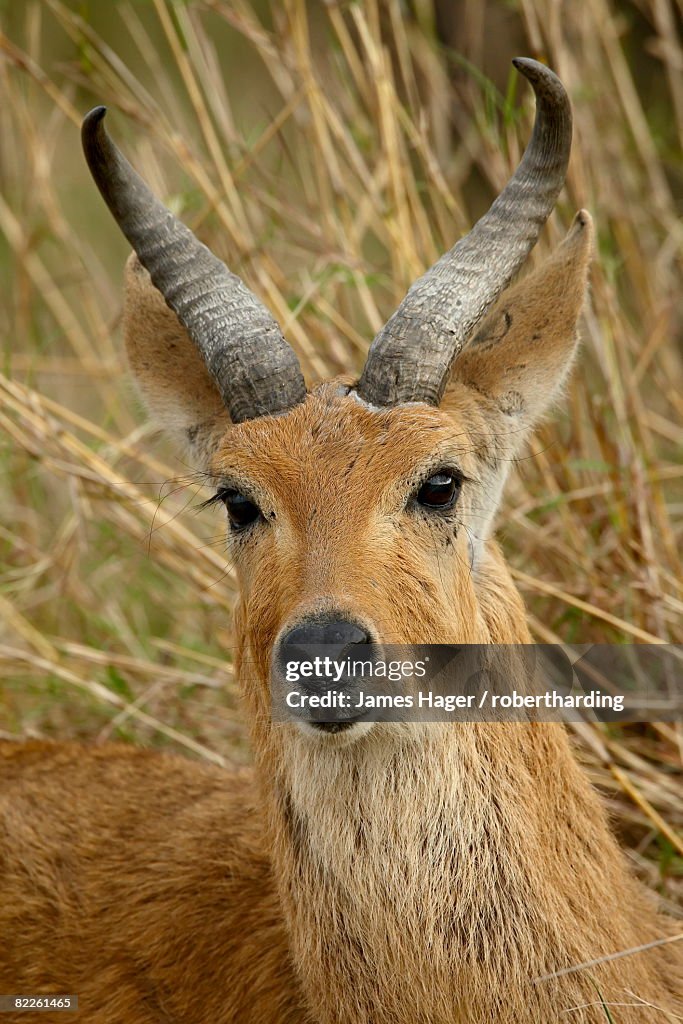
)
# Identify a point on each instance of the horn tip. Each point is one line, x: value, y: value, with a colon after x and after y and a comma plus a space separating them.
x: 544, y: 82
x: 93, y: 134
x: 90, y: 128
x: 521, y: 62
x: 526, y: 64
x: 94, y: 116
x: 534, y: 70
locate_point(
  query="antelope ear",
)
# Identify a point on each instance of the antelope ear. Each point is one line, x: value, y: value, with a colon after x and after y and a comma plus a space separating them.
x: 171, y: 375
x: 522, y: 353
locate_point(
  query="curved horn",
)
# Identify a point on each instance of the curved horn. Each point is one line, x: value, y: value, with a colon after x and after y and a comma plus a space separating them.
x: 410, y: 359
x: 255, y: 370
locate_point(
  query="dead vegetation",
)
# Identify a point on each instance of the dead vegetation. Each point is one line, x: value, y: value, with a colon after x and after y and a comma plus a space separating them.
x: 329, y: 155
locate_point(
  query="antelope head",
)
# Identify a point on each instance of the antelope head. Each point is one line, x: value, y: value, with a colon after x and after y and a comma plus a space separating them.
x: 361, y: 510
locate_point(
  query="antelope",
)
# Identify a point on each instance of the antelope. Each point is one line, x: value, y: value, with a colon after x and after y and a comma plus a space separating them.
x: 370, y: 873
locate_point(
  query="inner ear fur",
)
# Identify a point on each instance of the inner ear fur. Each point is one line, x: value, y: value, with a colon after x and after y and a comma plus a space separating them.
x: 524, y: 349
x: 170, y: 373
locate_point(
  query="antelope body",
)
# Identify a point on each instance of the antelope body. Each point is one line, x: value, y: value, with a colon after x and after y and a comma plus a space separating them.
x: 375, y: 874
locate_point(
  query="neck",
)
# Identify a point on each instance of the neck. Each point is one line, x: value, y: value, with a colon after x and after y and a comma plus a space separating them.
x: 439, y: 868
x: 429, y: 873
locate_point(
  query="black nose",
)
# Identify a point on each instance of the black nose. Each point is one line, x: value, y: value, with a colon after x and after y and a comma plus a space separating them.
x: 317, y: 644
x: 335, y: 635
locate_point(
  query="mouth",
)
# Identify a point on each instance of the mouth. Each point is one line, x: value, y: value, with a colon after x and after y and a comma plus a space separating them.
x: 341, y: 733
x: 335, y: 720
x: 334, y: 727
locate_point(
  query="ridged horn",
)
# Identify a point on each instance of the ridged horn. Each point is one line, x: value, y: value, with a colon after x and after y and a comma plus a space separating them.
x: 411, y: 357
x: 255, y: 370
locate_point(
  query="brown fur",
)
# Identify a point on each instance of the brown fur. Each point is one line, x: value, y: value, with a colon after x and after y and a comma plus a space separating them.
x: 140, y: 883
x: 411, y: 874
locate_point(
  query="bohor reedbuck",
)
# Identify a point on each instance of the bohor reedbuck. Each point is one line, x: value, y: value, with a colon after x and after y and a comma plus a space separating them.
x: 379, y: 873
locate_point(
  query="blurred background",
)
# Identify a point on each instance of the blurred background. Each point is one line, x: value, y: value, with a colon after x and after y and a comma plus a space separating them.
x: 329, y: 152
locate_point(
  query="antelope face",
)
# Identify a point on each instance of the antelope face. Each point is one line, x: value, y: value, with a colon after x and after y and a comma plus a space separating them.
x: 350, y: 526
x: 359, y: 512
x: 341, y: 515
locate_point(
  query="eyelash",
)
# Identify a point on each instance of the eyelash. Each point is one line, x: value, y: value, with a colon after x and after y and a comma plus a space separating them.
x: 215, y: 499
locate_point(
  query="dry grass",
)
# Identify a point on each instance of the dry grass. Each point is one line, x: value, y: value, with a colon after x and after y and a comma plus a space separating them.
x: 330, y: 156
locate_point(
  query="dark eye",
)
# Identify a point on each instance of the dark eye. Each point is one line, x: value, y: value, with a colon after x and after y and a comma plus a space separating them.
x: 241, y: 511
x: 440, y: 491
